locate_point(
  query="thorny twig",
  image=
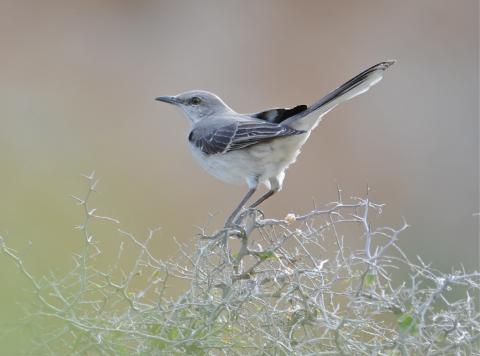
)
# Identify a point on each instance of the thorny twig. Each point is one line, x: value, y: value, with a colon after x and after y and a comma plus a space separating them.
x: 273, y: 286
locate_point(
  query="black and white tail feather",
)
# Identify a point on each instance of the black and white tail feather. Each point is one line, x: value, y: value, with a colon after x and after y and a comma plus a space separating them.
x: 355, y: 86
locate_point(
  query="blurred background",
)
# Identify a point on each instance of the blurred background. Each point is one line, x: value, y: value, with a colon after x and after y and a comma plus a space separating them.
x: 78, y: 81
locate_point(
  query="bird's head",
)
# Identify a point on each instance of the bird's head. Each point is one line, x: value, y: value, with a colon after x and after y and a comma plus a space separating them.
x: 196, y: 104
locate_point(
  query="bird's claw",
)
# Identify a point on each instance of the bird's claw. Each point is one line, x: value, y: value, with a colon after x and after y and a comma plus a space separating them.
x: 247, y: 212
x: 233, y: 230
x: 228, y: 231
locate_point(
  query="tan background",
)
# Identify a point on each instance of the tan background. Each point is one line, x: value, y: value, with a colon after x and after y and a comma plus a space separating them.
x: 78, y: 80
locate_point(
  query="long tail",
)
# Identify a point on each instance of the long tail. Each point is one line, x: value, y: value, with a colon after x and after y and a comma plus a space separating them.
x: 355, y: 86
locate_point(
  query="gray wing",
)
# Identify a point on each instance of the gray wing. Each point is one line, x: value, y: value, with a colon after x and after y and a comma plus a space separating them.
x: 213, y: 139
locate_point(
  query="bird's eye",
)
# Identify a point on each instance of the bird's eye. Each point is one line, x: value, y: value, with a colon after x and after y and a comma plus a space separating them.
x: 195, y: 100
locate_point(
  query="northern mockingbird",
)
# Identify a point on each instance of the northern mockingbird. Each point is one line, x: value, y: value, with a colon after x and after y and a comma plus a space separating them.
x: 257, y: 148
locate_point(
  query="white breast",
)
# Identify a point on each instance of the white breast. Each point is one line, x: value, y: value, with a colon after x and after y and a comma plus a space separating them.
x: 231, y: 167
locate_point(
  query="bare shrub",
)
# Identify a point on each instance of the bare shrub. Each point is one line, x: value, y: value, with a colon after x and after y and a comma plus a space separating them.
x: 296, y: 285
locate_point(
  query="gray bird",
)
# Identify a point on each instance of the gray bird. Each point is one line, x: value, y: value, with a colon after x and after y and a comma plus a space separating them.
x: 257, y: 148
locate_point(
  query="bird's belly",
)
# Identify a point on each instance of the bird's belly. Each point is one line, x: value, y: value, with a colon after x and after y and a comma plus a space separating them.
x: 259, y: 162
x: 279, y: 154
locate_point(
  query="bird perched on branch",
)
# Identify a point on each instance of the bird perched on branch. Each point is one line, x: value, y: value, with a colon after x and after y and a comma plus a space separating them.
x: 257, y: 148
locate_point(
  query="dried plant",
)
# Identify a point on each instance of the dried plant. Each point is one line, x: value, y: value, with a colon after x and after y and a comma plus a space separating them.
x: 271, y: 287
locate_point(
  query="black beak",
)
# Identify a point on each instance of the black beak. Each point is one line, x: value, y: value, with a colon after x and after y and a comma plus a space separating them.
x: 168, y: 99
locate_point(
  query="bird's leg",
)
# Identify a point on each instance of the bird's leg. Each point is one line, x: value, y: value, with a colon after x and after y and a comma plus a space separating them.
x: 263, y: 198
x: 240, y: 206
x: 275, y: 186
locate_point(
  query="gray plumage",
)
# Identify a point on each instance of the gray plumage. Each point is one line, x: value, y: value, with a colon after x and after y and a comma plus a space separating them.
x: 257, y: 148
x: 227, y: 134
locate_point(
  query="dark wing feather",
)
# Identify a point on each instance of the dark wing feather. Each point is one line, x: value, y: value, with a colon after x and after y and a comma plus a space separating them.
x: 278, y: 115
x: 212, y: 139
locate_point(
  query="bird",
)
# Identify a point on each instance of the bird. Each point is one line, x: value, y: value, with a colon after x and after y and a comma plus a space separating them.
x: 257, y: 148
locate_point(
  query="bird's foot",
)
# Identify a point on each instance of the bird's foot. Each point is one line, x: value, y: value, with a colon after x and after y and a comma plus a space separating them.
x: 237, y: 227
x: 227, y: 231
x: 233, y: 230
x: 247, y: 215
